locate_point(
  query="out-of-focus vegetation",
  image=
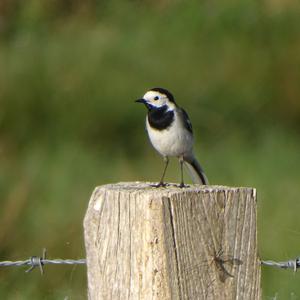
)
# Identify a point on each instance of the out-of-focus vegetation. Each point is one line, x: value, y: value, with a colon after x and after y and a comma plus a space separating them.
x: 69, y: 72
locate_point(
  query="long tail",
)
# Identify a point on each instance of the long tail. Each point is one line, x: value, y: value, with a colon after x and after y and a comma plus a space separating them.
x: 195, y: 171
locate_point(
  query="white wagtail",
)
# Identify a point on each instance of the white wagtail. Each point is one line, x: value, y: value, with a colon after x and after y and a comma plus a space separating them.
x: 170, y: 132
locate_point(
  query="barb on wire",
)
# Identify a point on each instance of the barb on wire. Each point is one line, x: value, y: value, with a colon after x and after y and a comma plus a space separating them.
x: 37, y: 261
x: 293, y: 264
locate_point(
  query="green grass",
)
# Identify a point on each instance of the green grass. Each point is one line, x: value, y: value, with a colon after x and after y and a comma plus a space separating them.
x: 68, y: 121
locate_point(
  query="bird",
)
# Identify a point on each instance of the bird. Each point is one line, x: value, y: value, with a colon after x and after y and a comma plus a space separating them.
x: 171, y: 134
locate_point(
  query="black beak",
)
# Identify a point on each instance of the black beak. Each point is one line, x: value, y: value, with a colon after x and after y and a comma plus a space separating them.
x: 140, y: 100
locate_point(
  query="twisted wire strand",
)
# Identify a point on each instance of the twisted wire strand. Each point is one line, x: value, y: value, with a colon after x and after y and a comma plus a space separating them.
x: 36, y: 261
x: 293, y: 264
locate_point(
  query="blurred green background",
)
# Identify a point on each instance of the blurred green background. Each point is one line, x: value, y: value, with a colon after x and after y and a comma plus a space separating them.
x: 69, y: 73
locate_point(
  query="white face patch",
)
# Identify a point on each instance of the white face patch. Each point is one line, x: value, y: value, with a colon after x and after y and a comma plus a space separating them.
x: 157, y: 99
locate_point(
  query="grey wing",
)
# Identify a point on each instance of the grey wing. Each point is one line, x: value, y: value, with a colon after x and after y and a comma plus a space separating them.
x: 186, y: 121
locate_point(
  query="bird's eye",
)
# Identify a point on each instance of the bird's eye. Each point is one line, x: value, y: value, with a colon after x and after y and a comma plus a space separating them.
x: 156, y: 98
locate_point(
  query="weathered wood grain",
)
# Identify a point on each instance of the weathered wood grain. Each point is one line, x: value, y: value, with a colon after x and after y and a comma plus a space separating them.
x: 170, y: 243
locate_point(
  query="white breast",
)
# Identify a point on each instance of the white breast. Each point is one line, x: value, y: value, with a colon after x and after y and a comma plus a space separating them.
x: 176, y: 140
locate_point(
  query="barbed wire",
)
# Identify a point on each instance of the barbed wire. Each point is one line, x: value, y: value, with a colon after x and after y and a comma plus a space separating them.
x: 293, y: 264
x: 37, y: 261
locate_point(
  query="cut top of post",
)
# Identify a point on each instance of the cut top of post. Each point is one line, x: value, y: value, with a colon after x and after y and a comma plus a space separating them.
x: 170, y: 189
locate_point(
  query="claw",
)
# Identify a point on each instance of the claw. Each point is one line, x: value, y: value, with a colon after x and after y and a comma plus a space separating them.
x: 182, y: 185
x: 160, y: 184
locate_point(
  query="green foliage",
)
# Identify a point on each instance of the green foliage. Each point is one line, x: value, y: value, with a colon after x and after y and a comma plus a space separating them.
x: 69, y: 75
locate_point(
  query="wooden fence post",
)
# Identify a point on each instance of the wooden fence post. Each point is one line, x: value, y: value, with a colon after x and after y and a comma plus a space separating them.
x: 170, y: 243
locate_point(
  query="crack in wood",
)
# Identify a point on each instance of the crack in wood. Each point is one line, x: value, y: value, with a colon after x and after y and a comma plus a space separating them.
x: 174, y: 245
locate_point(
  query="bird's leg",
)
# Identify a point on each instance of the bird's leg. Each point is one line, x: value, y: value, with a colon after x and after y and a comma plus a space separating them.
x: 181, y: 170
x: 161, y: 183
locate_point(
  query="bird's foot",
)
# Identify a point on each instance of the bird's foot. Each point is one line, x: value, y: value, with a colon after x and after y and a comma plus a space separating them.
x: 158, y: 185
x: 182, y: 185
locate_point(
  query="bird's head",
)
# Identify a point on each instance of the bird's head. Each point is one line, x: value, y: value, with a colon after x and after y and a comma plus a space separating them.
x: 157, y: 98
